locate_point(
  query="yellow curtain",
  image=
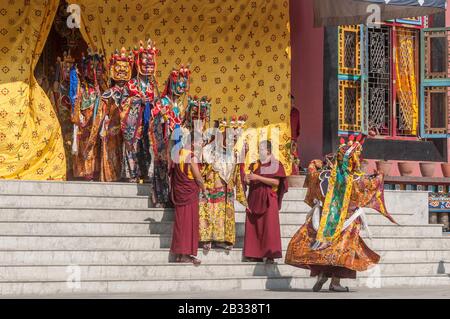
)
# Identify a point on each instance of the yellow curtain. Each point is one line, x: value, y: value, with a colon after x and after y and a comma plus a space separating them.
x: 238, y: 50
x: 31, y: 146
x: 406, y: 82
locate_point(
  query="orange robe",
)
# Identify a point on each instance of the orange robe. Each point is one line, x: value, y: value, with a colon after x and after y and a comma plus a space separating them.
x: 85, y: 155
x: 106, y: 132
x: 348, y: 253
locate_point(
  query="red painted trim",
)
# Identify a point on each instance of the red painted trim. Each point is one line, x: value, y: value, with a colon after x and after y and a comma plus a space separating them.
x: 393, y: 125
x: 405, y: 25
x: 393, y: 83
x: 397, y: 138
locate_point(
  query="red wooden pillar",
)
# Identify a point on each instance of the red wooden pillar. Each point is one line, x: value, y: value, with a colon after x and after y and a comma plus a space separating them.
x: 307, y: 78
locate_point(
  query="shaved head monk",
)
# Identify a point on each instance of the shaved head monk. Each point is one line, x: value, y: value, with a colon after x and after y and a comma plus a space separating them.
x: 268, y: 184
x: 186, y: 185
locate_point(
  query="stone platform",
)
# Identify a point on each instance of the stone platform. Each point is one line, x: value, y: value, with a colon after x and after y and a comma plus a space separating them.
x: 106, y: 235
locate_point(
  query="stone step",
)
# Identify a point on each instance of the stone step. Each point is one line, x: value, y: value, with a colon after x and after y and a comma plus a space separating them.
x: 161, y: 256
x: 185, y: 271
x: 79, y: 201
x: 411, y: 202
x: 94, y: 189
x: 119, y: 215
x: 397, y: 202
x: 73, y: 188
x: 73, y: 201
x: 163, y: 241
x: 165, y: 228
x: 60, y: 288
x: 289, y: 230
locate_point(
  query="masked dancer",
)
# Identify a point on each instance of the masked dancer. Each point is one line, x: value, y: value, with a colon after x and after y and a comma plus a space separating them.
x: 167, y: 113
x: 107, y: 124
x: 86, y: 105
x: 137, y: 115
x: 329, y: 243
x: 224, y: 182
x: 59, y: 96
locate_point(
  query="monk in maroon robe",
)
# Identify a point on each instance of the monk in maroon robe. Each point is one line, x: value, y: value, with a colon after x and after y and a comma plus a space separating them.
x: 186, y: 183
x: 268, y: 184
x: 295, y: 133
x: 295, y: 121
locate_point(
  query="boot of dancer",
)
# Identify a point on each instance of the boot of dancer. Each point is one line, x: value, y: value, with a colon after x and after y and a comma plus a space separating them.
x: 321, y: 280
x: 335, y: 285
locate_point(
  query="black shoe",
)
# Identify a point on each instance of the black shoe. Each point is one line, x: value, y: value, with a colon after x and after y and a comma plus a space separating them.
x: 321, y: 280
x: 339, y: 288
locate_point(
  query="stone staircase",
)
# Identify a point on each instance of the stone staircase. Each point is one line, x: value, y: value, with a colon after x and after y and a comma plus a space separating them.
x: 51, y: 232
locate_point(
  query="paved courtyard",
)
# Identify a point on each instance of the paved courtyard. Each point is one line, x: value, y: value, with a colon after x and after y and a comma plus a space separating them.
x: 385, y: 293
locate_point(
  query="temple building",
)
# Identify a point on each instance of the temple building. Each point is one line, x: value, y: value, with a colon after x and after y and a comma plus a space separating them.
x: 243, y: 64
x: 388, y: 80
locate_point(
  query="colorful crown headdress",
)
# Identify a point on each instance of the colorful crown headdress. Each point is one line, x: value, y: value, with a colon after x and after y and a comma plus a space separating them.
x: 198, y: 109
x: 354, y: 143
x: 235, y: 122
x: 93, y: 54
x: 63, y: 66
x: 148, y: 48
x: 183, y: 71
x: 67, y: 58
x: 121, y: 65
x: 352, y: 139
x: 123, y: 56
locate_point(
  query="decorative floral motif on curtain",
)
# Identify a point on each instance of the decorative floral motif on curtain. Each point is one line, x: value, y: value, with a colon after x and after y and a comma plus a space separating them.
x: 31, y: 146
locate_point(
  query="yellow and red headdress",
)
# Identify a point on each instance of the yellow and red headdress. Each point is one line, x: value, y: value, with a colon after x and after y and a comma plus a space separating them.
x: 121, y: 65
x: 234, y: 123
x: 351, y: 148
x: 145, y: 57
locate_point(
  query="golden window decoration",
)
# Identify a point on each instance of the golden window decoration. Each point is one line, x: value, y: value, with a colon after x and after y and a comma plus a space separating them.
x: 350, y: 106
x: 349, y: 50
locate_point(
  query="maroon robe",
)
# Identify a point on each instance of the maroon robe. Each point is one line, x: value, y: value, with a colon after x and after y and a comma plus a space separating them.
x: 262, y: 225
x: 185, y: 197
x: 295, y: 123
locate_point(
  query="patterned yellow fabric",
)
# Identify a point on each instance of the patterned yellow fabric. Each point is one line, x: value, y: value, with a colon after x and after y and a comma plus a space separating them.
x: 31, y: 146
x: 217, y: 212
x: 238, y: 51
x: 217, y: 217
x: 406, y: 83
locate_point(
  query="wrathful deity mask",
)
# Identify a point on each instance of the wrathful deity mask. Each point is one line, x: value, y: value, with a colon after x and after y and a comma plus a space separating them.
x: 146, y: 58
x: 121, y: 65
x: 93, y: 66
x: 179, y: 81
x: 351, y: 150
x: 198, y: 109
x: 63, y: 67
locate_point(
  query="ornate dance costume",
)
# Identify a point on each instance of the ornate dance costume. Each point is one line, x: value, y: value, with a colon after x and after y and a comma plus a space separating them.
x: 87, y: 102
x: 136, y: 115
x: 223, y: 180
x: 166, y: 116
x: 329, y: 242
x: 107, y: 124
x: 59, y: 95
